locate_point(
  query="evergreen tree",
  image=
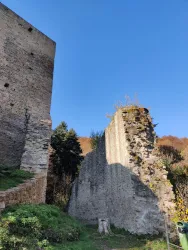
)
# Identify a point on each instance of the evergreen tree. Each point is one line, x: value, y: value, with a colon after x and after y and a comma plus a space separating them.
x: 67, y: 156
x: 66, y: 159
x: 95, y: 138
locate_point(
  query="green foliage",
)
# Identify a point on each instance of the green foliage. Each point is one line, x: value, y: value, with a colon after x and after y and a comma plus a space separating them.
x: 85, y: 243
x: 121, y: 239
x: 67, y: 156
x: 66, y: 159
x: 95, y: 138
x: 21, y: 174
x: 179, y: 170
x: 45, y: 227
x: 28, y: 227
x: 169, y: 155
x: 178, y: 175
x: 5, y: 170
x: 11, y: 177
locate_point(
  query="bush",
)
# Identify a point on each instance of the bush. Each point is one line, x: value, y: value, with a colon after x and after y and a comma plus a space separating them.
x: 31, y: 227
x: 179, y: 170
x: 178, y: 175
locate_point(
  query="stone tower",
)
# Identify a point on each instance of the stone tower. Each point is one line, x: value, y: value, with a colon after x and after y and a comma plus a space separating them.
x: 26, y: 70
x: 122, y: 179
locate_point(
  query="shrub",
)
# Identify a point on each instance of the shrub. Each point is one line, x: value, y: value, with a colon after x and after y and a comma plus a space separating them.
x: 129, y: 104
x: 178, y: 175
x: 181, y: 209
x: 179, y: 170
x: 29, y: 227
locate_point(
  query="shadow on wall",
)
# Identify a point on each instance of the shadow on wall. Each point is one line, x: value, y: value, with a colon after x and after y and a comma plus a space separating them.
x: 115, y: 192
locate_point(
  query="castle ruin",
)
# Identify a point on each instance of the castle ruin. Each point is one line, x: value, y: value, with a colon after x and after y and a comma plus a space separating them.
x: 26, y: 70
x: 122, y: 179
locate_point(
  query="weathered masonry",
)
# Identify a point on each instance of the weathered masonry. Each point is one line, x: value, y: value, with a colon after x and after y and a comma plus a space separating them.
x: 122, y: 179
x: 26, y: 73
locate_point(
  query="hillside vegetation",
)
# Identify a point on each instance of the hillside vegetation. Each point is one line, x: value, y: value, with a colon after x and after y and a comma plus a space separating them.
x: 46, y: 227
x: 40, y: 227
x: 179, y: 143
x: 85, y: 143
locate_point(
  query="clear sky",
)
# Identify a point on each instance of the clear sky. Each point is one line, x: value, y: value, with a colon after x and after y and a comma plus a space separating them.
x: 107, y: 49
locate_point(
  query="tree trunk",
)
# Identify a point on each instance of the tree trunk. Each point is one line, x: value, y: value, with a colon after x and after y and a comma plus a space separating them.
x: 104, y: 226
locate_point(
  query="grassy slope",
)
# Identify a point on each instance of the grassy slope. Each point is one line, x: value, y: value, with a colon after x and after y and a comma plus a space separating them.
x: 84, y: 243
x: 121, y: 240
x: 13, y: 179
x: 74, y: 236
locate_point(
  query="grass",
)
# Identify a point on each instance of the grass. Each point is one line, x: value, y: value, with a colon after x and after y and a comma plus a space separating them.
x: 120, y: 240
x: 46, y: 226
x: 84, y: 243
x: 123, y: 240
x: 12, y: 178
x: 90, y: 239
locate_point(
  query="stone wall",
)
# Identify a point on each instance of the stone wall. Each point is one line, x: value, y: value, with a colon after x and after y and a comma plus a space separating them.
x: 122, y: 179
x: 26, y: 70
x: 31, y: 191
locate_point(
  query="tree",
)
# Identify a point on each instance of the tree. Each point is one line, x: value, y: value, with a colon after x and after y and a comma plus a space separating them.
x: 178, y: 143
x: 95, y: 138
x: 66, y: 159
x: 67, y: 156
x: 177, y: 166
x: 169, y: 155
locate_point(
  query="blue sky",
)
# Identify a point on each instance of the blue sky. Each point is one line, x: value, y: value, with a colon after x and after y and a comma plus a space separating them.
x: 107, y: 49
